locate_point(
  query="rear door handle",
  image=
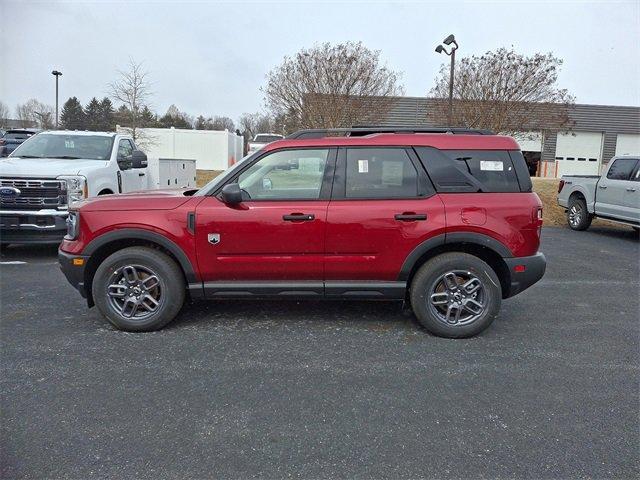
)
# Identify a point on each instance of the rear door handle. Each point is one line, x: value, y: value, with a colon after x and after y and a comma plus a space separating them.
x: 602, y: 186
x: 410, y: 217
x: 299, y: 217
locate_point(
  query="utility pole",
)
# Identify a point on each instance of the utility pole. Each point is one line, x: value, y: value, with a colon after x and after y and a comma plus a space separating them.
x: 56, y: 74
x: 452, y: 53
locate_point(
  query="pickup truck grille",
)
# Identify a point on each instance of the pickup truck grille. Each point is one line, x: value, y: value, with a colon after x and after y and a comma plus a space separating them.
x: 35, y: 194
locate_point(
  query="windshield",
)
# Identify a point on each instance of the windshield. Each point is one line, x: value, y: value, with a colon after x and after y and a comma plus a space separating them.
x: 213, y: 184
x: 17, y: 135
x: 266, y: 138
x: 47, y: 145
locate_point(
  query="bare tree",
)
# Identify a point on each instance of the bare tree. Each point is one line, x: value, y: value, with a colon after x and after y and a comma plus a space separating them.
x: 222, y: 123
x: 4, y: 114
x: 133, y: 90
x: 35, y: 113
x: 331, y: 86
x: 503, y: 91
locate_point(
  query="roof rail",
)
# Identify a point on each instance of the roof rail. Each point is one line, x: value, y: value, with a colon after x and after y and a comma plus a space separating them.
x: 360, y: 131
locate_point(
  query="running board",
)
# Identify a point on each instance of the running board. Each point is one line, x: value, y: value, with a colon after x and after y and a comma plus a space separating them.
x: 301, y: 289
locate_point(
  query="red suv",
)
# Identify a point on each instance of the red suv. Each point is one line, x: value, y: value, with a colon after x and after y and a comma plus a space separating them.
x: 443, y: 219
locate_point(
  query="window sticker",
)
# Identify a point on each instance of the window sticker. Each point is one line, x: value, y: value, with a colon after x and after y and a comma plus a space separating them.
x: 68, y: 144
x: 491, y: 165
x: 392, y: 173
x: 363, y: 166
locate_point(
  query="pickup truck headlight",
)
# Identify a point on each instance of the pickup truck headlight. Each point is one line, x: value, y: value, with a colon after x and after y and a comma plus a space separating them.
x: 73, y: 225
x: 76, y: 187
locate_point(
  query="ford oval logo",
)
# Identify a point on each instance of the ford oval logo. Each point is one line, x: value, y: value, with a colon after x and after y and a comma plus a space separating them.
x: 10, y: 192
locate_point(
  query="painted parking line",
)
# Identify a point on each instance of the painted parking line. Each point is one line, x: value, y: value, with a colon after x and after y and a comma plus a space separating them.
x: 14, y: 262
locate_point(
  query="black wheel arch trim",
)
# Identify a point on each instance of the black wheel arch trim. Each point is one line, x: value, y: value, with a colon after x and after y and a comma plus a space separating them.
x: 139, y: 234
x: 443, y: 239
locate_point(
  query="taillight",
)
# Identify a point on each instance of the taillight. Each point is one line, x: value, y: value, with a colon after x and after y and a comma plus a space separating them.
x: 540, y: 213
x: 560, y: 185
x: 3, y: 142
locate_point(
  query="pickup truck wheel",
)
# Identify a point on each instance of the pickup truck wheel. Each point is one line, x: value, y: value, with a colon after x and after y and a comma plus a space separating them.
x: 455, y: 295
x: 578, y: 217
x: 138, y: 289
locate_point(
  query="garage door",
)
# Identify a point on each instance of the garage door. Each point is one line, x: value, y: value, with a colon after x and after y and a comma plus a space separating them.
x: 579, y: 153
x: 529, y: 141
x: 628, y: 144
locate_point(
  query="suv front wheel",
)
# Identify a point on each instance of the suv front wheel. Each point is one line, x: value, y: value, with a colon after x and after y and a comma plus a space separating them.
x: 139, y: 289
x: 455, y: 295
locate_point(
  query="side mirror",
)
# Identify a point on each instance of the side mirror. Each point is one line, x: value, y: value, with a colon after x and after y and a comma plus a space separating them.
x: 232, y: 194
x: 138, y: 159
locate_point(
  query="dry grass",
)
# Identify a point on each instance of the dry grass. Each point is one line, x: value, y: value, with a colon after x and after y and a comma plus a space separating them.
x: 546, y: 188
x: 204, y: 176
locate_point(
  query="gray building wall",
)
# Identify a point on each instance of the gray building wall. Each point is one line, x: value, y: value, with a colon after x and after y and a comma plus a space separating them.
x: 609, y: 119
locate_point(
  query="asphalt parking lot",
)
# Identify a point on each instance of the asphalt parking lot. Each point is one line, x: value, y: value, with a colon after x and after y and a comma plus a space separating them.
x: 328, y: 390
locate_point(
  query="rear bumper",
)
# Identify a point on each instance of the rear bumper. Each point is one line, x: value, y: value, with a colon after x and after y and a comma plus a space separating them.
x: 73, y: 272
x: 524, y: 272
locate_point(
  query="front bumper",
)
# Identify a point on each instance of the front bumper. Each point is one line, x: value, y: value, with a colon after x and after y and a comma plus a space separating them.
x: 73, y: 267
x: 37, y: 226
x: 525, y: 271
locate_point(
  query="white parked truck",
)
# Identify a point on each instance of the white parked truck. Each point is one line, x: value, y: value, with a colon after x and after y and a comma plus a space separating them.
x: 614, y: 196
x: 262, y: 139
x: 52, y: 169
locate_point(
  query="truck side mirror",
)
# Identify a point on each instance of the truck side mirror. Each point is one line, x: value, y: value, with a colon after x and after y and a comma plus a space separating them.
x: 138, y: 159
x: 232, y: 194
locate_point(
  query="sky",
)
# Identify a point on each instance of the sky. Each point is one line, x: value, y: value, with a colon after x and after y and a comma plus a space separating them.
x: 211, y: 58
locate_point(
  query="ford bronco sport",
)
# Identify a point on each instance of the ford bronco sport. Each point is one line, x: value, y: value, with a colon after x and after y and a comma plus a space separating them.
x: 442, y: 219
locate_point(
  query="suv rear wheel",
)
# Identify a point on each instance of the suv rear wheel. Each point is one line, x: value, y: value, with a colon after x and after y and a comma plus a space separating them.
x: 455, y: 295
x: 139, y: 289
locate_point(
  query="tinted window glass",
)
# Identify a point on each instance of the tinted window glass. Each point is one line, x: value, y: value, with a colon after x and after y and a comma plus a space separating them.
x: 444, y: 173
x: 493, y: 169
x: 125, y: 149
x: 285, y: 175
x: 622, y: 169
x: 380, y: 173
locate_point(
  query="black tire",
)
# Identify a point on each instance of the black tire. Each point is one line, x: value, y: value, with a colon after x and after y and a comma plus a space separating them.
x: 146, y: 262
x: 429, y: 281
x: 578, y: 217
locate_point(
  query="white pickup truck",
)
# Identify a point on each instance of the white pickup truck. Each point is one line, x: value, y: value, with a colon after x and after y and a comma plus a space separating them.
x: 614, y: 196
x: 52, y: 169
x: 262, y: 139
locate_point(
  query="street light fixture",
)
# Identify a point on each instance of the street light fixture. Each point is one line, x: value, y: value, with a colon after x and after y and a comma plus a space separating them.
x: 56, y: 74
x: 452, y: 53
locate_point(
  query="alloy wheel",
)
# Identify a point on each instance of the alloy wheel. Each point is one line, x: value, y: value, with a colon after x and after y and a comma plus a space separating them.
x: 457, y: 298
x: 135, y: 292
x: 575, y: 215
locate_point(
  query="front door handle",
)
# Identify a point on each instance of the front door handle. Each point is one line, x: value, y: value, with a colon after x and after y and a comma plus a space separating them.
x: 631, y: 189
x: 299, y: 217
x: 410, y: 217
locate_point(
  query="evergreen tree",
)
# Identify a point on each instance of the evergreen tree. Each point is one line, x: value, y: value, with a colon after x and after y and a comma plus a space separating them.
x: 123, y: 116
x: 72, y: 116
x: 107, y: 121
x: 92, y: 115
x: 147, y: 118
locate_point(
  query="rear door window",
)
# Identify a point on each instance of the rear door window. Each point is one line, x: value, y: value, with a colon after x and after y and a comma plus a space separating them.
x: 380, y: 173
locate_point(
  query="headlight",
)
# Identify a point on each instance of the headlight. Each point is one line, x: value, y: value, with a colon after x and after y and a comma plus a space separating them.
x: 76, y: 187
x: 73, y: 225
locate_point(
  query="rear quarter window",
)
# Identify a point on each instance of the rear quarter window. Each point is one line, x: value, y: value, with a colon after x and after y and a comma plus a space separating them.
x: 459, y: 171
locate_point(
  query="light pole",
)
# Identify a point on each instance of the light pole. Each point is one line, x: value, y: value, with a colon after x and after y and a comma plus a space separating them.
x: 56, y: 74
x: 452, y: 53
